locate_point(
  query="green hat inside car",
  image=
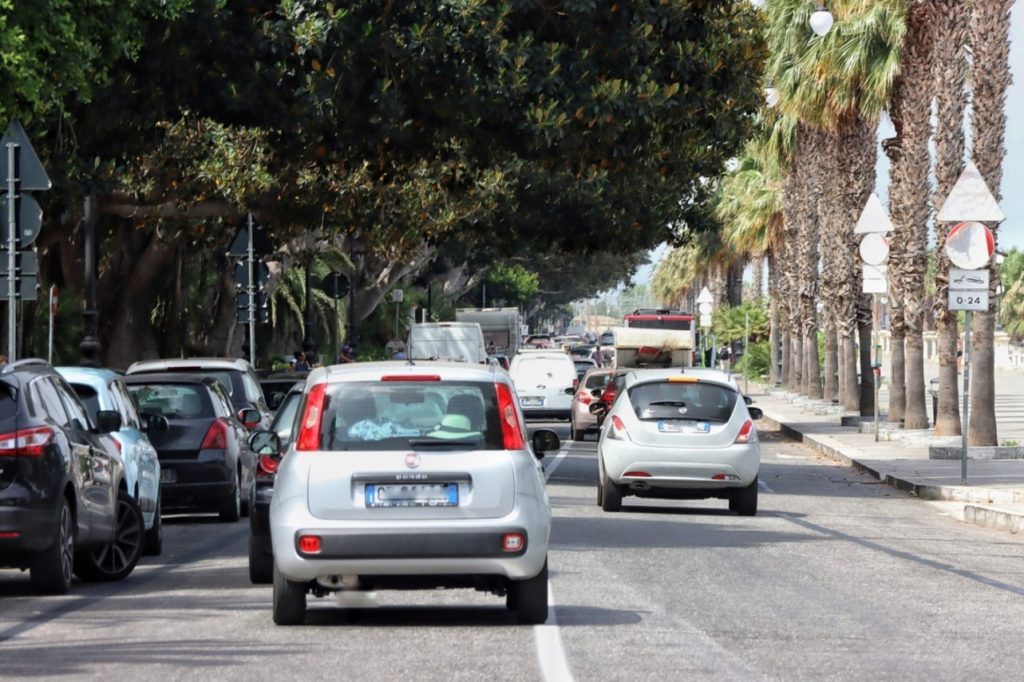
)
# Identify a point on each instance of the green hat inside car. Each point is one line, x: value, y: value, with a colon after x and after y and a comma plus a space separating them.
x: 453, y: 426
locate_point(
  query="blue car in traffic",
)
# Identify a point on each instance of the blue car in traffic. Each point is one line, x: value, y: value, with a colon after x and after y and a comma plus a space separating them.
x: 103, y: 389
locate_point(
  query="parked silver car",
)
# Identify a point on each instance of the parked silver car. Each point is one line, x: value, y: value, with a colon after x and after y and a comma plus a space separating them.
x: 407, y: 475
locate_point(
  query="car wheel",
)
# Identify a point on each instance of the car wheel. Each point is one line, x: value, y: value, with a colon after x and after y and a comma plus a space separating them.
x: 528, y: 599
x: 577, y: 435
x: 289, y: 600
x: 743, y: 501
x: 51, y: 568
x: 261, y: 562
x: 154, y: 544
x: 611, y: 496
x: 116, y: 560
x: 231, y: 506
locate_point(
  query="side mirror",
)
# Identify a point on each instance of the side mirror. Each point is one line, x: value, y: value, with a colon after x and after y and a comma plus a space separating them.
x: 755, y: 412
x: 154, y: 423
x: 569, y: 391
x: 275, y: 400
x: 265, y: 443
x: 747, y: 400
x: 249, y: 417
x: 108, y: 421
x: 598, y: 409
x: 545, y: 441
x: 596, y: 392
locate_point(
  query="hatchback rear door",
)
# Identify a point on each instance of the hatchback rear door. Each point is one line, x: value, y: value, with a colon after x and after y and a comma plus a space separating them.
x: 681, y: 411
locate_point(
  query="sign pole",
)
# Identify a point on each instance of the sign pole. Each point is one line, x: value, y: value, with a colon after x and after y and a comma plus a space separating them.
x: 54, y: 294
x: 250, y: 257
x: 12, y: 249
x: 876, y: 366
x: 967, y: 387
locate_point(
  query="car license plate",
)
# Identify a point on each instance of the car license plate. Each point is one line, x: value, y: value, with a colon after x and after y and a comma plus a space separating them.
x: 168, y: 476
x: 385, y: 495
x: 675, y: 427
x: 531, y: 402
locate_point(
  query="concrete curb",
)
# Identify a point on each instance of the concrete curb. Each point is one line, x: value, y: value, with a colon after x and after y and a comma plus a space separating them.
x: 831, y: 448
x: 998, y: 519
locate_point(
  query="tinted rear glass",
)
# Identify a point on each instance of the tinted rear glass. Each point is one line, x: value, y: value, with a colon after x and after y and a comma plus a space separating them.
x: 597, y: 380
x: 90, y: 399
x: 664, y: 400
x: 554, y: 368
x: 406, y: 415
x: 284, y: 418
x: 174, y: 401
x: 8, y: 403
x: 232, y: 380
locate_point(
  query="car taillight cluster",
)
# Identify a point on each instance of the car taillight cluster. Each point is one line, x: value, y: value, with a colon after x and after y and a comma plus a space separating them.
x: 618, y: 429
x: 26, y: 442
x: 746, y: 432
x: 511, y: 431
x: 309, y: 427
x: 268, y: 465
x: 584, y: 397
x: 216, y: 437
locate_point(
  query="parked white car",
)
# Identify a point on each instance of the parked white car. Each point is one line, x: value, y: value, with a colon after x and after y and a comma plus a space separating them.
x: 411, y: 476
x: 680, y: 434
x: 546, y: 381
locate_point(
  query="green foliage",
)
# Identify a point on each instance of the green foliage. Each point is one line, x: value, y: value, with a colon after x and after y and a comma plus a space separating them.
x: 512, y: 283
x: 756, y: 360
x: 729, y: 323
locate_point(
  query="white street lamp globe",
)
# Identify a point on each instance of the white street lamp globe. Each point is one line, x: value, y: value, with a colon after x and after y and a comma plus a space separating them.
x: 821, y: 21
x: 771, y: 96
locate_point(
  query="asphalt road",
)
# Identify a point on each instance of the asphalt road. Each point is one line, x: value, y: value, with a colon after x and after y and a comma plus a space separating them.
x: 837, y: 577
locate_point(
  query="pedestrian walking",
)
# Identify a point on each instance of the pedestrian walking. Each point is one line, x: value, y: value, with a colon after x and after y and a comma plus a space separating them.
x: 724, y: 356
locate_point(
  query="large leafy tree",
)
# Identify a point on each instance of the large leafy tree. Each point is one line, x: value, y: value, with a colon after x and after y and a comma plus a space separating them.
x: 395, y: 129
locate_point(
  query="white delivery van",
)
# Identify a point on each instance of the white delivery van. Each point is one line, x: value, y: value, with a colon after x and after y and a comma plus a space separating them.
x: 545, y: 381
x: 458, y: 341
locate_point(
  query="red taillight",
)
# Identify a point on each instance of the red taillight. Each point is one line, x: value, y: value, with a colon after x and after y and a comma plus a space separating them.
x: 575, y: 384
x: 117, y: 443
x: 637, y: 474
x: 608, y: 397
x: 617, y: 423
x: 268, y: 464
x: 9, y: 535
x: 309, y: 544
x: 718, y: 477
x: 746, y: 432
x: 511, y: 431
x: 410, y: 377
x: 513, y: 542
x: 216, y: 437
x: 618, y: 430
x: 584, y: 397
x: 26, y: 442
x: 309, y: 433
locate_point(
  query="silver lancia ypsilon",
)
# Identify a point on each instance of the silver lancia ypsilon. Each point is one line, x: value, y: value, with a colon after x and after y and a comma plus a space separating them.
x: 411, y: 476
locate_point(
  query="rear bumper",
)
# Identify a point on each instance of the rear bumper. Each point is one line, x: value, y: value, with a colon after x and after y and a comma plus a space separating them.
x: 692, y: 469
x: 470, y: 547
x: 35, y: 526
x: 546, y: 413
x: 207, y: 479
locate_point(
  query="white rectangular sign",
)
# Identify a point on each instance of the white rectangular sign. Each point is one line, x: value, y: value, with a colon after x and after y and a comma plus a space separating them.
x: 968, y: 280
x: 705, y: 320
x: 397, y: 296
x: 875, y: 279
x: 968, y: 300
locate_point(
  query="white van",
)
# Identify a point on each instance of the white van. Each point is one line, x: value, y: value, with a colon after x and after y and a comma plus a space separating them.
x: 545, y: 381
x: 459, y: 341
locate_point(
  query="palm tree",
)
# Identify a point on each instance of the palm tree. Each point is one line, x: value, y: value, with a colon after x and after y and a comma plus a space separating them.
x: 909, y: 203
x: 952, y: 22
x: 287, y: 299
x: 990, y: 77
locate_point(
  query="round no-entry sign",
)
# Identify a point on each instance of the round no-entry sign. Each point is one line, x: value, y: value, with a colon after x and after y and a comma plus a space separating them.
x: 970, y: 245
x: 874, y: 248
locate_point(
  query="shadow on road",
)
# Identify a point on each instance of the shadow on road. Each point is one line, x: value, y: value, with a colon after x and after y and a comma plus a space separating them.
x: 457, y: 616
x: 619, y: 531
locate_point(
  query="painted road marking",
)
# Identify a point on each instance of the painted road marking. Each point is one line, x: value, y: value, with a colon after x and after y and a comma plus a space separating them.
x: 764, y: 486
x: 554, y: 666
x: 550, y: 469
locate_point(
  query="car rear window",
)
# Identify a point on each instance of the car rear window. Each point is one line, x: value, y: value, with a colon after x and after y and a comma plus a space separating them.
x: 397, y: 415
x: 173, y: 401
x: 659, y: 400
x: 90, y: 399
x: 597, y: 380
x: 232, y: 380
x: 8, y: 402
x: 552, y: 367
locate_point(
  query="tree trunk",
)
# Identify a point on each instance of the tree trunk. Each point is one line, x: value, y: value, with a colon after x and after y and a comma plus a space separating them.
x: 784, y: 360
x: 774, y: 376
x: 796, y: 361
x: 840, y: 369
x: 990, y: 27
x: 830, y: 390
x: 757, y: 265
x: 897, y: 375
x: 952, y: 21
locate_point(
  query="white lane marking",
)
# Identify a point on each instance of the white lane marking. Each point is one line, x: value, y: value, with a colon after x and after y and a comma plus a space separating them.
x: 554, y: 666
x: 554, y: 464
x: 764, y: 486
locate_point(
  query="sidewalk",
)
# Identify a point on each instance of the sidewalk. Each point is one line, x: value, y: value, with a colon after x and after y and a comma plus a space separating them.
x: 993, y: 497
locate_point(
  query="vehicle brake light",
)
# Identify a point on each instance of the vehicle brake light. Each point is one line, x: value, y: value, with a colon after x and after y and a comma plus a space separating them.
x: 584, y: 397
x: 618, y: 430
x: 309, y: 429
x: 511, y: 431
x: 309, y: 544
x: 746, y: 433
x: 268, y: 464
x: 9, y: 535
x: 216, y: 437
x: 411, y: 377
x: 637, y: 474
x: 513, y: 542
x: 26, y: 442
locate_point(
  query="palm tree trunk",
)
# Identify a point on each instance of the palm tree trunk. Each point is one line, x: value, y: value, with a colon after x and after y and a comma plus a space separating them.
x: 990, y: 27
x: 840, y: 365
x: 909, y: 198
x: 773, y: 321
x: 952, y: 20
x: 831, y: 387
x: 757, y: 265
x: 897, y: 372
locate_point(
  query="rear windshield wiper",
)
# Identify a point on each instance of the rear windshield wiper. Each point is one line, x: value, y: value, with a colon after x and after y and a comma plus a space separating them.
x: 445, y: 444
x: 669, y: 403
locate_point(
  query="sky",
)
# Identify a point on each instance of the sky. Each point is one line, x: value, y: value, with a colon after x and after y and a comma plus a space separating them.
x: 1011, y: 232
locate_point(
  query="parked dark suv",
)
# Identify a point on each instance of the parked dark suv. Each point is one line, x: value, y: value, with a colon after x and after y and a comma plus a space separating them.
x: 64, y: 506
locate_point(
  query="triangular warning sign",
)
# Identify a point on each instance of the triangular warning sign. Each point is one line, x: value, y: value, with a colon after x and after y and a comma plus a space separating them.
x: 873, y: 218
x: 970, y: 199
x: 32, y: 174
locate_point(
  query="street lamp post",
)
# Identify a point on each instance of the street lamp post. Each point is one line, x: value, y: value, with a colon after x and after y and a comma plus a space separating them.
x: 308, y: 344
x: 90, y: 346
x: 821, y: 20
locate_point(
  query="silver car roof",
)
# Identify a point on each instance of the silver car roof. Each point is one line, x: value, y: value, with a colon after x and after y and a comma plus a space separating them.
x: 178, y: 363
x: 702, y: 373
x: 373, y: 371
